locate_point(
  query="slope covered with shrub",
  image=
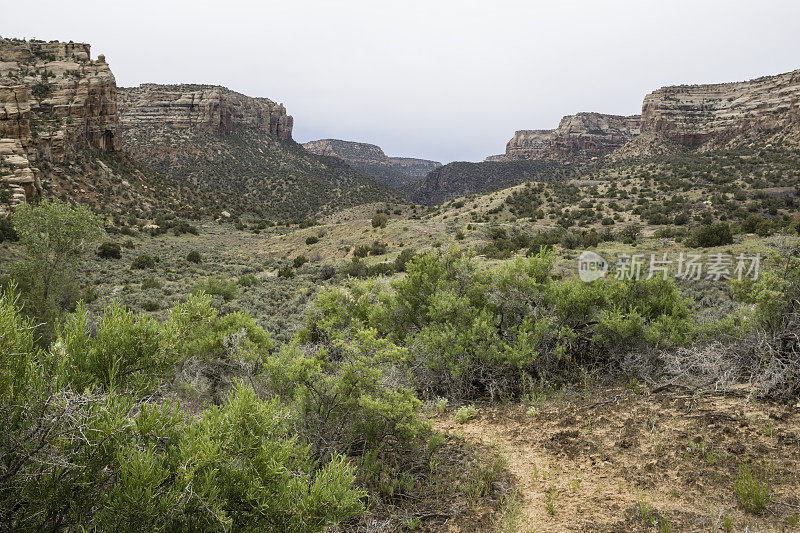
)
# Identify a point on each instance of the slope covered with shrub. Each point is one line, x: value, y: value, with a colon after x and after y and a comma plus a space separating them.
x: 254, y: 172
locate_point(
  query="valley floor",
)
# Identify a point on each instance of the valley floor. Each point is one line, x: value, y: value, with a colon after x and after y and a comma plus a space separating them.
x: 623, y: 459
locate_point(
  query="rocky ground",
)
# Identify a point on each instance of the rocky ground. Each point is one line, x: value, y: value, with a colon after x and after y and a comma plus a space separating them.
x: 632, y: 459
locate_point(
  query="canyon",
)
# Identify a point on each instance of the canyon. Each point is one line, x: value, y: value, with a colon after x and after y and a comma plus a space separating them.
x: 371, y: 160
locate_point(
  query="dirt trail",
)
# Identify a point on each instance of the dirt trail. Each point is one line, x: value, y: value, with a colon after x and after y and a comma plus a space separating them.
x: 623, y: 460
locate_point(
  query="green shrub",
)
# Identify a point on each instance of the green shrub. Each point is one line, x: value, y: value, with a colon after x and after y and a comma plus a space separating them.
x: 378, y: 248
x: 124, y: 463
x: 285, y: 271
x: 327, y: 272
x: 194, y: 257
x: 53, y: 235
x: 151, y: 305
x: 110, y: 250
x: 753, y: 486
x: 465, y: 414
x: 402, y: 259
x: 144, y: 261
x: 312, y: 239
x: 7, y: 232
x: 248, y: 280
x: 182, y: 227
x: 227, y: 289
x: 151, y: 283
x: 361, y: 251
x: 379, y: 220
x: 299, y: 261
x: 472, y: 333
x: 712, y: 235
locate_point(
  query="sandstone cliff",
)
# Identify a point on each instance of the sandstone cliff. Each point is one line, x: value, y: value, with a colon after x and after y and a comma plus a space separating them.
x: 694, y: 114
x: 238, y: 147
x: 577, y: 136
x: 205, y: 107
x: 399, y: 172
x: 54, y: 101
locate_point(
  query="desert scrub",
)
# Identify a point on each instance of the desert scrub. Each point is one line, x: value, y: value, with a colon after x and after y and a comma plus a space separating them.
x: 465, y: 414
x: 753, y: 486
x: 194, y: 257
x: 226, y: 289
x: 144, y: 261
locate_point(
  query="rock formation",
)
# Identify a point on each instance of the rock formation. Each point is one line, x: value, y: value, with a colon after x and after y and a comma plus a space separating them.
x: 209, y: 108
x: 54, y: 101
x: 694, y: 114
x: 581, y: 135
x: 371, y: 160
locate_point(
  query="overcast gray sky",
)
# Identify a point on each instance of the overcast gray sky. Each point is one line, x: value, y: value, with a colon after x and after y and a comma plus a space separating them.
x: 445, y: 80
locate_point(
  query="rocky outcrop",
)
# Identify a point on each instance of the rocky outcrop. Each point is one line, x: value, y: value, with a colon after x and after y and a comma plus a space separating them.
x: 694, y: 114
x: 208, y: 108
x: 581, y: 135
x: 370, y: 159
x: 19, y: 181
x: 72, y: 100
x: 15, y: 112
x: 54, y: 101
x: 529, y: 144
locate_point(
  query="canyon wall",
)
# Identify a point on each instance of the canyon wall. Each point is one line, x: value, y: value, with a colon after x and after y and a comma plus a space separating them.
x: 54, y: 101
x: 369, y: 159
x: 581, y: 135
x: 694, y: 114
x: 205, y: 107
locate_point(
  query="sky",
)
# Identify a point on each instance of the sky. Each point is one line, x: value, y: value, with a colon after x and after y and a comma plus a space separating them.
x: 445, y: 80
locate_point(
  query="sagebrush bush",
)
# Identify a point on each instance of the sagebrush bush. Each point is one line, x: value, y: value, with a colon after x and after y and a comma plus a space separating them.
x: 86, y: 445
x: 227, y: 289
x: 473, y: 333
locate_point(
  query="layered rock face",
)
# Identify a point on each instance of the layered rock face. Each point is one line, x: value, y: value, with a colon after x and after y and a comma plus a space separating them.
x: 694, y: 114
x: 369, y: 159
x: 529, y: 144
x: 207, y: 108
x: 54, y: 101
x: 584, y: 134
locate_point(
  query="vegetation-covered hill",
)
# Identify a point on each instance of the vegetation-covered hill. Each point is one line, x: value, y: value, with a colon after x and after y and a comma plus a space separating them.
x: 254, y: 172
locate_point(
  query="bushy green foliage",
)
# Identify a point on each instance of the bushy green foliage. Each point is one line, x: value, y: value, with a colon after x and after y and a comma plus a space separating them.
x: 285, y: 271
x: 299, y: 261
x: 194, y: 257
x: 53, y: 235
x: 379, y: 220
x: 143, y: 261
x: 110, y: 250
x: 7, y: 232
x: 753, y: 486
x: 82, y: 447
x: 361, y: 251
x: 473, y: 333
x: 712, y: 235
x: 227, y: 289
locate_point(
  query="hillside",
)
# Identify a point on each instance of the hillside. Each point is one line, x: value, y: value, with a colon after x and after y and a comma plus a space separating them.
x: 238, y: 147
x: 369, y: 159
x: 462, y: 178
